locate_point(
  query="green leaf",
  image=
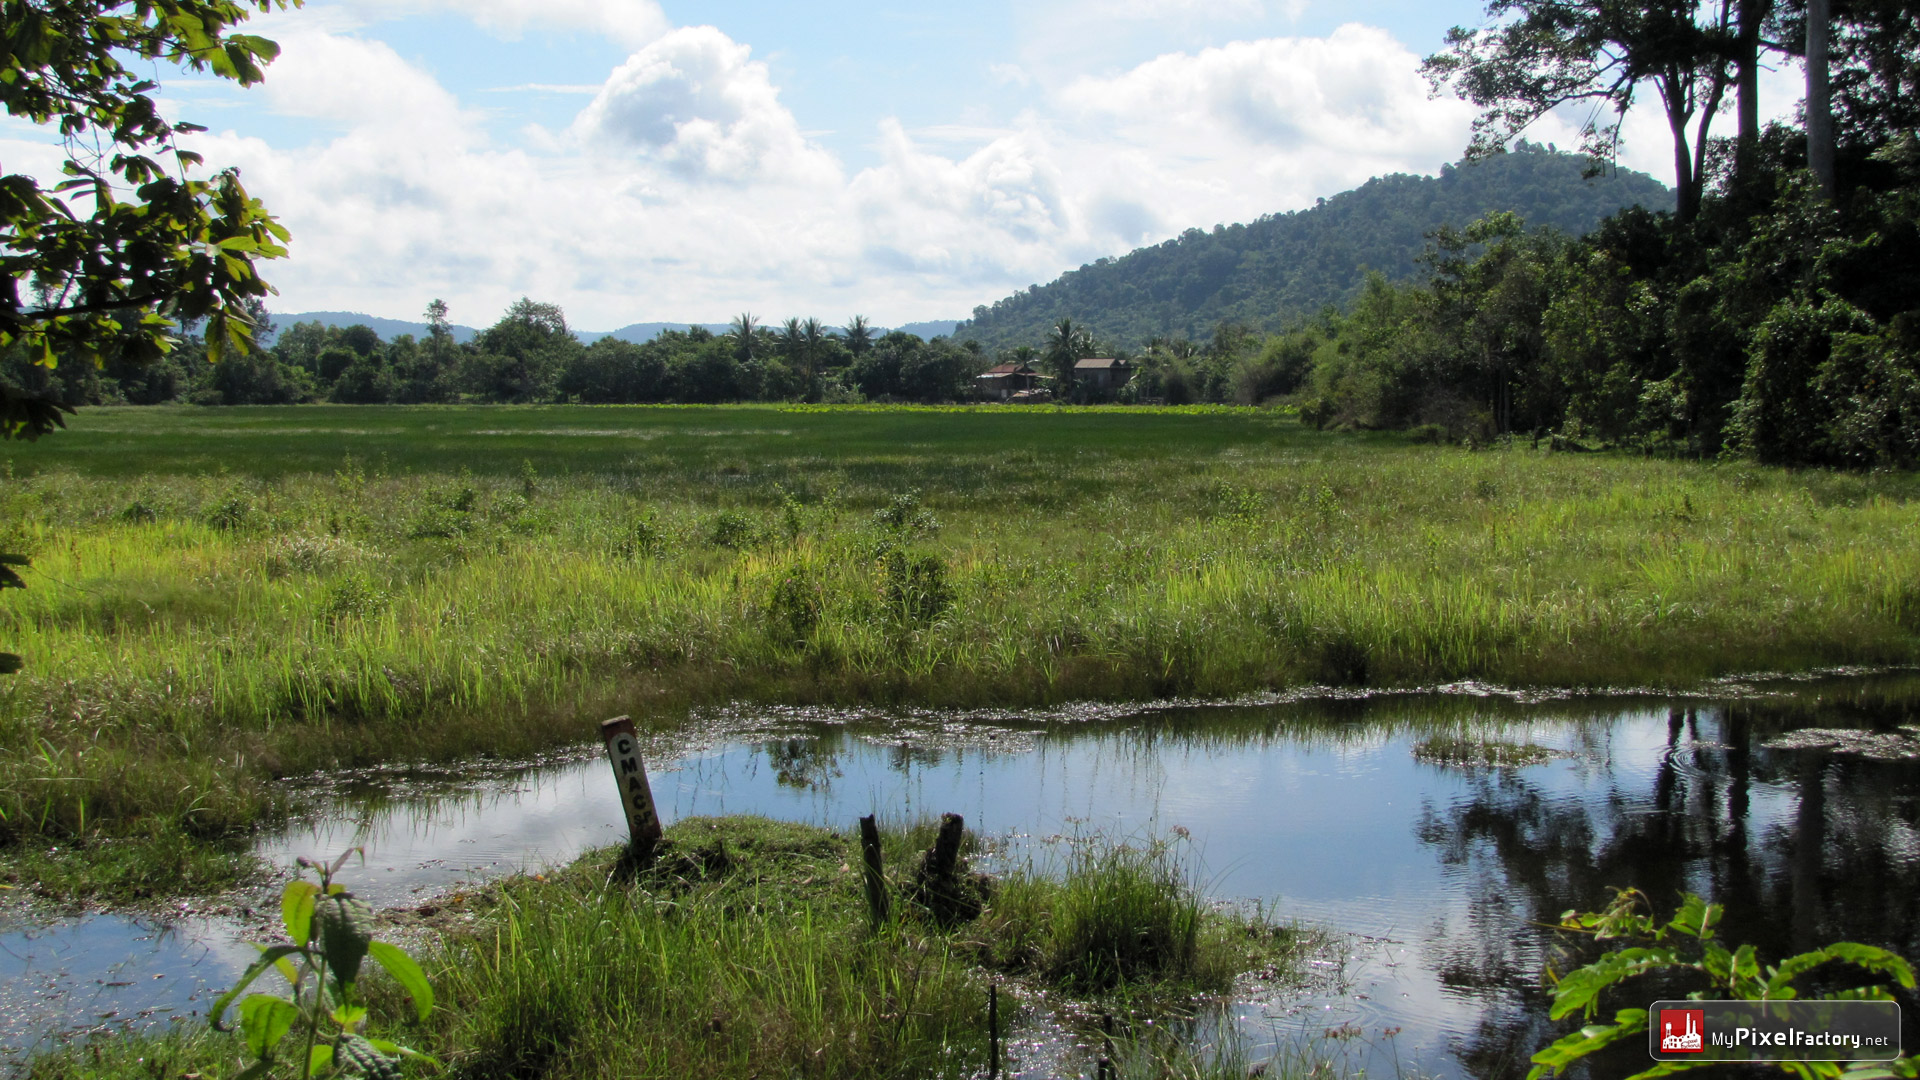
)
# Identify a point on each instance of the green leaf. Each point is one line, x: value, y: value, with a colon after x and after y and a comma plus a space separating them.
x: 264, y: 1020
x: 350, y: 1016
x: 1874, y: 959
x: 1579, y: 988
x: 296, y: 909
x: 319, y: 1058
x: 266, y: 961
x: 1668, y: 1068
x: 1568, y: 1049
x: 387, y: 1046
x: 1696, y: 917
x: 405, y: 972
x: 285, y: 967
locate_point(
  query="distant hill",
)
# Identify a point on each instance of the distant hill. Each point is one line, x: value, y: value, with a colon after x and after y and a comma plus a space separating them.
x: 930, y: 330
x: 388, y: 329
x: 639, y: 333
x: 642, y: 332
x: 1286, y: 266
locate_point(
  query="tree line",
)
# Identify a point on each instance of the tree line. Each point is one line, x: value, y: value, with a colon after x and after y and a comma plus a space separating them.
x: 529, y: 356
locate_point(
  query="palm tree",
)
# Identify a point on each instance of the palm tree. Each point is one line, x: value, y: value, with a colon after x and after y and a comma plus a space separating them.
x: 859, y: 336
x: 1066, y: 343
x: 743, y: 331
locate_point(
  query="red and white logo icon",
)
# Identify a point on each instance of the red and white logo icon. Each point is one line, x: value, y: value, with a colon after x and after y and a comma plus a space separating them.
x: 1680, y: 1031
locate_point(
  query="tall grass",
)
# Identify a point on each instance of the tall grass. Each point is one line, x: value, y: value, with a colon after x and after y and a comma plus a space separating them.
x: 361, y: 586
x: 746, y: 949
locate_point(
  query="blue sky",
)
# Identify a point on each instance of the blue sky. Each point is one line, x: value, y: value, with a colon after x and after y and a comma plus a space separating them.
x: 656, y: 160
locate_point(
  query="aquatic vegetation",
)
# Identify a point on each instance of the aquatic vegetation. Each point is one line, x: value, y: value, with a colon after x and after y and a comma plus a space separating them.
x: 1468, y: 753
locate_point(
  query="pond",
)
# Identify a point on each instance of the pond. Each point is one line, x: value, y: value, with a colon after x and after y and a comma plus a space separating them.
x: 1435, y: 831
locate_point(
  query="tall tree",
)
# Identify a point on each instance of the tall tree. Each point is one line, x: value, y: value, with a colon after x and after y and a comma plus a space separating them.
x: 125, y: 250
x: 745, y: 331
x: 1819, y: 102
x: 859, y: 336
x: 1066, y: 343
x: 1753, y: 15
x: 1599, y: 53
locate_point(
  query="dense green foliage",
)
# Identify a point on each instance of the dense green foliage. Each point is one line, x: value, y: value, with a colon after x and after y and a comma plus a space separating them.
x: 363, y: 585
x: 530, y: 356
x: 1633, y: 946
x: 114, y: 258
x: 1776, y: 325
x: 1283, y: 268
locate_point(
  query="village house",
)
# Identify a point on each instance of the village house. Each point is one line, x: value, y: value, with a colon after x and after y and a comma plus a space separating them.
x: 1011, y: 382
x: 1102, y: 375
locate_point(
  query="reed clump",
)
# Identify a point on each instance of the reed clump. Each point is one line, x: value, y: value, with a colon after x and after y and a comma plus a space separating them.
x: 746, y: 946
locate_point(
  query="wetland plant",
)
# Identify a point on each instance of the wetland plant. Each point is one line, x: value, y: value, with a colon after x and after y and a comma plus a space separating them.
x: 318, y: 1024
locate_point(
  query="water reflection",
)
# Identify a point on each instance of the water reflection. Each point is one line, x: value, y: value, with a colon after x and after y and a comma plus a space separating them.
x: 1442, y: 874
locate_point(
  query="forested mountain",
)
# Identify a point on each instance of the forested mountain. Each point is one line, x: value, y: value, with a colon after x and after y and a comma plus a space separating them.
x: 1282, y: 267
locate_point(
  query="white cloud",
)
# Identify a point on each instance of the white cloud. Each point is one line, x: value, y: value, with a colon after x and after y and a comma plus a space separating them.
x: 363, y: 86
x: 631, y: 23
x: 697, y: 102
x: 686, y: 189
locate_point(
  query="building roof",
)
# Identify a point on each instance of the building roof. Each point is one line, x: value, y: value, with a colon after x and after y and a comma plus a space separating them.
x: 1009, y: 369
x: 1098, y: 363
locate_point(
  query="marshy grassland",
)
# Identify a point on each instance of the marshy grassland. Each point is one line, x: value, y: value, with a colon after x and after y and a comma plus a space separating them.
x: 221, y: 599
x: 747, y: 948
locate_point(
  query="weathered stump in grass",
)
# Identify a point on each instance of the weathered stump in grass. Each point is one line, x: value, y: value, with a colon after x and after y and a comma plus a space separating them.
x: 636, y: 796
x: 993, y: 1030
x: 876, y: 878
x: 942, y: 886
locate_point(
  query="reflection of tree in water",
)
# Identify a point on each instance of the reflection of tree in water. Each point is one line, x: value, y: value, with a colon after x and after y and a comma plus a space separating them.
x: 811, y: 764
x: 1832, y: 854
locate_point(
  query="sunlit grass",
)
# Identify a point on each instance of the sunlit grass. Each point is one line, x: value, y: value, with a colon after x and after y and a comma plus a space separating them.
x: 222, y: 598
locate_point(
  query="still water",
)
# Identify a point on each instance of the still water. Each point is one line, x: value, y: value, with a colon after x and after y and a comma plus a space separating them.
x: 1436, y: 874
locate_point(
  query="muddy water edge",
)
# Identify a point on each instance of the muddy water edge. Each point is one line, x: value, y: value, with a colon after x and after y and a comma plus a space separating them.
x: 1434, y: 831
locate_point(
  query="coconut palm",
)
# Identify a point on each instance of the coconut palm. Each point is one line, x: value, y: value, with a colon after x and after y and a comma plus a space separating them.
x: 1066, y: 343
x: 859, y: 336
x: 744, y: 330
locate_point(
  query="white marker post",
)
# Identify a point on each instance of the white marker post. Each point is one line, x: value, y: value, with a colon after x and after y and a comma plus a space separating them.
x: 630, y: 773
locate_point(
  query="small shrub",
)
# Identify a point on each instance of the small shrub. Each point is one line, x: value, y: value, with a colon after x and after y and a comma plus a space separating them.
x: 232, y: 512
x: 916, y: 585
x: 794, y: 608
x: 321, y: 1017
x: 735, y: 530
x: 353, y: 597
x: 289, y: 555
x: 644, y: 540
x: 138, y: 512
x: 905, y: 515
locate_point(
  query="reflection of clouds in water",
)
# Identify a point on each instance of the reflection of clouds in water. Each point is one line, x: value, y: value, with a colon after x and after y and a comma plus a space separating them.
x: 1323, y: 809
x: 100, y: 973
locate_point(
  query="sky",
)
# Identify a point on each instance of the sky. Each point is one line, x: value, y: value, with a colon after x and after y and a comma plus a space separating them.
x: 658, y: 160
